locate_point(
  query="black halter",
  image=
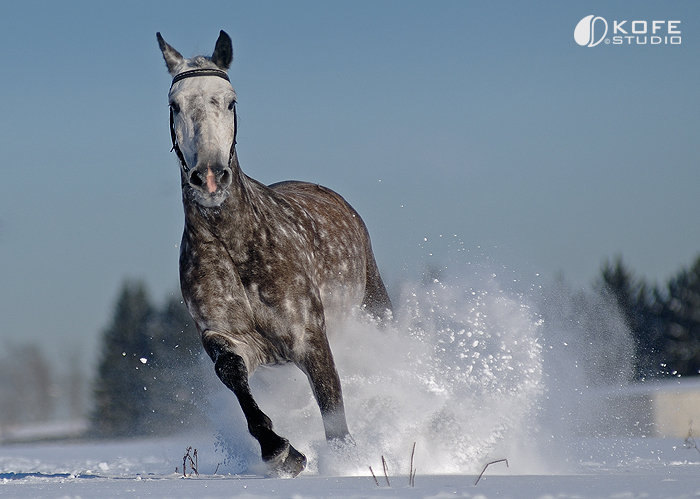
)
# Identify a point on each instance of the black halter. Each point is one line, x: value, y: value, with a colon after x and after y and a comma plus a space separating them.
x: 191, y: 74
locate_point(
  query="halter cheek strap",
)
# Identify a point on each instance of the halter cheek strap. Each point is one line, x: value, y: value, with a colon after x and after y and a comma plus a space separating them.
x: 173, y: 136
x: 176, y: 148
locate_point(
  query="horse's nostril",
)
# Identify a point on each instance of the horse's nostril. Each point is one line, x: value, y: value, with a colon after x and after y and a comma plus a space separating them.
x: 225, y: 178
x: 196, y: 179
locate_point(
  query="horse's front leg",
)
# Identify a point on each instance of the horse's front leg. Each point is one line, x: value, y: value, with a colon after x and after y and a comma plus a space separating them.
x: 278, y: 454
x: 318, y: 365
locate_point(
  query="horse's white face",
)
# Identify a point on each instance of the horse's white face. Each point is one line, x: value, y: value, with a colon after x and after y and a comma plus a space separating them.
x: 204, y: 123
x: 202, y: 106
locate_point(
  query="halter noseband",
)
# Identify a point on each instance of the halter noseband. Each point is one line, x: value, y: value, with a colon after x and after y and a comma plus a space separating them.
x: 191, y: 74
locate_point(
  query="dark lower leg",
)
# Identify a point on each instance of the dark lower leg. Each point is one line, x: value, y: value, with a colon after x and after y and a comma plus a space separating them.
x: 233, y: 373
x: 325, y: 384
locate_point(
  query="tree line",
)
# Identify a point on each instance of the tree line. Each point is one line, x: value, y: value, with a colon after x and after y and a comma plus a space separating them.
x: 664, y: 319
x: 153, y: 374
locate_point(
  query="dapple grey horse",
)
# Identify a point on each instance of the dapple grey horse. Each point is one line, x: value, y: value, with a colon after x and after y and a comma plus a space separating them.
x: 261, y: 266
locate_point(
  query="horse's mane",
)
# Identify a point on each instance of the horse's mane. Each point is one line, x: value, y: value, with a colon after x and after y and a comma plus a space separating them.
x: 199, y: 62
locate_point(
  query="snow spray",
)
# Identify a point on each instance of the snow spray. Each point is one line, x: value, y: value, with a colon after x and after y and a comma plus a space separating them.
x: 470, y: 370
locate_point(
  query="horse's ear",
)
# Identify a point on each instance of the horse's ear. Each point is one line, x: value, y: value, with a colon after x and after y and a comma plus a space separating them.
x: 223, y: 52
x: 172, y: 57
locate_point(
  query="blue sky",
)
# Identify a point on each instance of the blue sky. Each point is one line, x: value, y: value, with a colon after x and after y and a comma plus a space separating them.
x: 482, y: 122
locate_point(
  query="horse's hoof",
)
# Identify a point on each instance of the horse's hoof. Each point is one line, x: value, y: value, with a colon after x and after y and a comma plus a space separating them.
x: 340, y: 443
x: 287, y: 463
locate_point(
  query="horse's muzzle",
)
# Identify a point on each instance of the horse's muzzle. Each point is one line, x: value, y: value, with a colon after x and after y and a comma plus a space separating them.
x: 210, y: 180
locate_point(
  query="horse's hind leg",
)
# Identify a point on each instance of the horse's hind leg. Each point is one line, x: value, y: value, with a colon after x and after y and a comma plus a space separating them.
x: 376, y: 300
x: 280, y: 456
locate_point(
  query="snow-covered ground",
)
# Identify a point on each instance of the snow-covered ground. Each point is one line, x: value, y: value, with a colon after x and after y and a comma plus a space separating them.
x: 471, y: 372
x: 146, y: 468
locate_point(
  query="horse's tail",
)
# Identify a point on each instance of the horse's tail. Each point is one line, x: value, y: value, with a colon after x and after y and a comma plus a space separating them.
x: 376, y: 300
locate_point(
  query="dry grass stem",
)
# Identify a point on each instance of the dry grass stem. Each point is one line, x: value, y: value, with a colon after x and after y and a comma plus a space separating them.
x: 374, y: 476
x: 385, y: 467
x: 386, y: 471
x: 190, y: 458
x: 411, y: 472
x: 487, y: 465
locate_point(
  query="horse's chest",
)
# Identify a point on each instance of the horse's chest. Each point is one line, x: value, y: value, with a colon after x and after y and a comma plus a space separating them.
x: 283, y: 277
x: 279, y: 272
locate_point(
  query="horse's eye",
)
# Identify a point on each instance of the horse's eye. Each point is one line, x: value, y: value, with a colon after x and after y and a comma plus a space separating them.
x: 175, y: 107
x: 232, y: 105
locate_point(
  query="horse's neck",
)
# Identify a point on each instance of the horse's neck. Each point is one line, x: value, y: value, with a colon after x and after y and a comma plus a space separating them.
x: 233, y: 222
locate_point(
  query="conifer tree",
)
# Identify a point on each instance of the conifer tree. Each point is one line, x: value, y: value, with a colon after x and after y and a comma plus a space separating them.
x: 639, y: 306
x: 176, y: 363
x: 27, y: 390
x: 681, y: 316
x: 121, y: 388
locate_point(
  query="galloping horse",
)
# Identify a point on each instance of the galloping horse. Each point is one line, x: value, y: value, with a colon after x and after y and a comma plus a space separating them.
x: 261, y: 266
